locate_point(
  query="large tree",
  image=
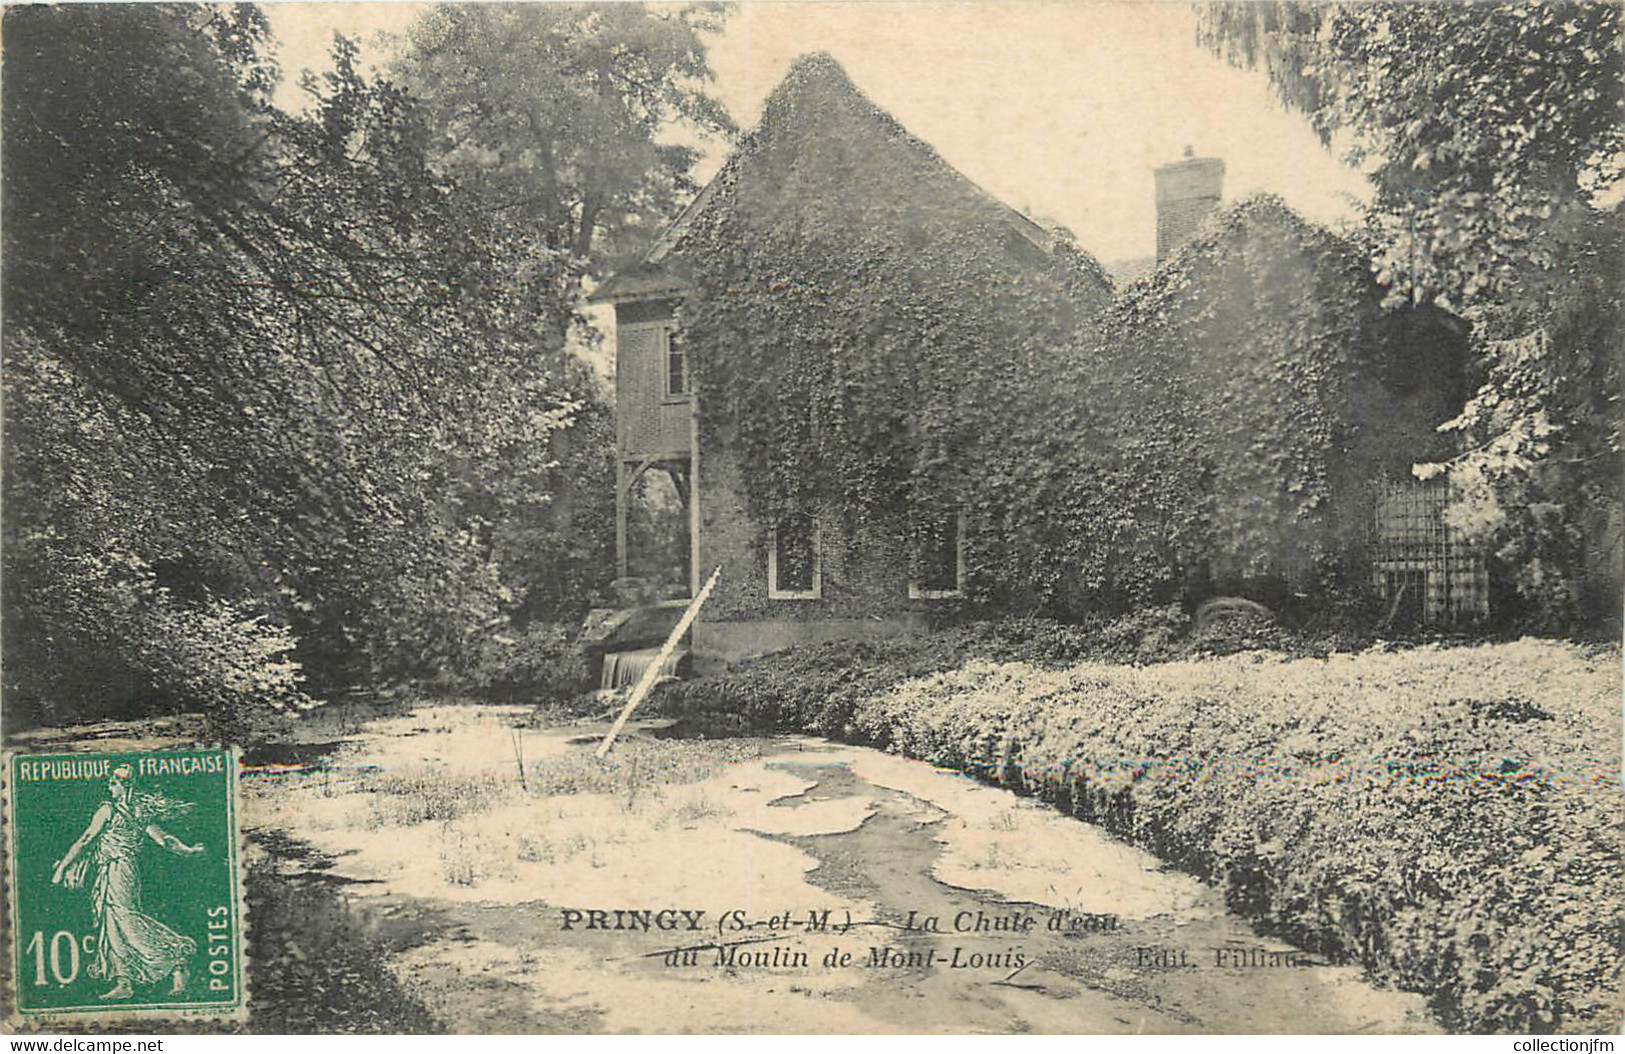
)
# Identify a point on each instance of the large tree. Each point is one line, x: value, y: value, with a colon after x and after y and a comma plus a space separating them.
x: 573, y: 128
x: 261, y: 370
x: 1494, y: 138
x: 559, y: 116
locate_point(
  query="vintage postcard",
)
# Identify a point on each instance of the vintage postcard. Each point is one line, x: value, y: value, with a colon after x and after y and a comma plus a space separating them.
x: 102, y: 933
x: 974, y: 518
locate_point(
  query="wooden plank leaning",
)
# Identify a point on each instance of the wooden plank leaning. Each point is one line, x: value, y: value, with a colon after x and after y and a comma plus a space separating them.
x: 652, y: 674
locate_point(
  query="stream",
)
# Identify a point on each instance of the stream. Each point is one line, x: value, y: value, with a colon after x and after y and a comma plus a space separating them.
x: 958, y: 907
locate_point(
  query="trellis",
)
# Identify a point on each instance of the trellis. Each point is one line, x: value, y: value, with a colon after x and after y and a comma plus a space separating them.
x: 1423, y: 566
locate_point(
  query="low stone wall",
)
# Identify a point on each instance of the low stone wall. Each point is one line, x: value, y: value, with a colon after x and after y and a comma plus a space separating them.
x: 719, y: 644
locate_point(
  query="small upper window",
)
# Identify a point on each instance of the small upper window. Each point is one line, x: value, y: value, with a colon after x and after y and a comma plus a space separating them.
x: 940, y: 567
x: 677, y: 376
x: 793, y: 571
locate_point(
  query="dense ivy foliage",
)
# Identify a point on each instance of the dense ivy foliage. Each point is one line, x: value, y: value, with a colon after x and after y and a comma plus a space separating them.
x: 1493, y: 135
x: 1260, y: 388
x: 873, y: 323
x: 1444, y: 817
x: 885, y: 342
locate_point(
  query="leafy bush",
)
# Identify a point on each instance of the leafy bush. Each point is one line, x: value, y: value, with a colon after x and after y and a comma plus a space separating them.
x: 116, y: 642
x: 817, y: 688
x: 1447, y: 817
x: 388, y: 469
x: 542, y: 664
x: 1227, y: 625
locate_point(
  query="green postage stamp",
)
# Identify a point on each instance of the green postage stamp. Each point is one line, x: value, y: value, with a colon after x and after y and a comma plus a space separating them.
x: 126, y: 895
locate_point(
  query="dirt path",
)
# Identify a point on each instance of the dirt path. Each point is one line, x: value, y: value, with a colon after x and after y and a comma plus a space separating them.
x: 418, y: 859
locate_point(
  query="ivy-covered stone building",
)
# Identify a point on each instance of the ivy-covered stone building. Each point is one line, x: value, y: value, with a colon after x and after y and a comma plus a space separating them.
x: 817, y: 349
x: 873, y: 394
x: 1293, y: 405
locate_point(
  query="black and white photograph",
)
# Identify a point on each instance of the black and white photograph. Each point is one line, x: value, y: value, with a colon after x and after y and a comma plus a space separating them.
x: 813, y: 517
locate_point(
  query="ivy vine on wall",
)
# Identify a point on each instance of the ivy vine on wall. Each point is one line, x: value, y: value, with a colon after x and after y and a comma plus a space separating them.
x: 883, y: 341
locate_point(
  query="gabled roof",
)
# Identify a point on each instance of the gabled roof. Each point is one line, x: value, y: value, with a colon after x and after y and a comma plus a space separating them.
x: 642, y: 281
x: 816, y: 82
x: 1130, y: 269
x: 1228, y: 225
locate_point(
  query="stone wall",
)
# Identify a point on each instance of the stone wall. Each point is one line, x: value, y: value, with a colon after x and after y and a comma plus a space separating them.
x: 863, y: 579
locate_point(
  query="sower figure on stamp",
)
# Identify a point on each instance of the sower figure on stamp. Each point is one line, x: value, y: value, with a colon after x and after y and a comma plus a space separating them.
x: 131, y: 947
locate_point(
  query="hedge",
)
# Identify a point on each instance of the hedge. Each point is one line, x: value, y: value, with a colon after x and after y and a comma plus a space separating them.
x: 1447, y: 816
x: 816, y: 688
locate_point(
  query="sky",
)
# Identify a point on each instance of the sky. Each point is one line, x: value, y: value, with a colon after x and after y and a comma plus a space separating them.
x: 1061, y: 108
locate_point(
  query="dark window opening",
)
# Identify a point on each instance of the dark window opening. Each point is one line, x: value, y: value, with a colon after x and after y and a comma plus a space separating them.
x: 794, y: 567
x: 940, y: 566
x: 658, y: 538
x: 677, y: 380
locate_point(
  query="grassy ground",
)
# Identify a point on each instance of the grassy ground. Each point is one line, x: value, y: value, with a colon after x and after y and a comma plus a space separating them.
x: 323, y: 941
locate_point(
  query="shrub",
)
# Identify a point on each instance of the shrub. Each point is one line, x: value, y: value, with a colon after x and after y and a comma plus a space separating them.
x: 1226, y: 625
x: 1449, y: 818
x: 543, y: 664
x: 110, y: 640
x: 1446, y: 816
x: 816, y: 688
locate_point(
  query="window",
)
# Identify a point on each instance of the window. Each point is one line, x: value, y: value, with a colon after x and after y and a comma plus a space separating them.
x: 793, y: 571
x: 940, y: 567
x: 676, y: 355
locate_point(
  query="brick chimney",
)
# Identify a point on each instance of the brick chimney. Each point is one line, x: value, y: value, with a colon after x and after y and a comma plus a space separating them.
x: 1187, y: 191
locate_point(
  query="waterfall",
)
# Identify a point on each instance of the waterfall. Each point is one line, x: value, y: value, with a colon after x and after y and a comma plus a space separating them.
x: 622, y: 668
